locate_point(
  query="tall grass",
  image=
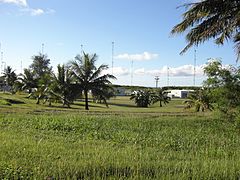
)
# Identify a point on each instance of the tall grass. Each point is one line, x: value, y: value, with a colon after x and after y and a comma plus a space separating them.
x: 88, y: 146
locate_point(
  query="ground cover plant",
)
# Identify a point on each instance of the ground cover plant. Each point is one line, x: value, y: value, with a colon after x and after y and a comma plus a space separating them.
x: 43, y: 142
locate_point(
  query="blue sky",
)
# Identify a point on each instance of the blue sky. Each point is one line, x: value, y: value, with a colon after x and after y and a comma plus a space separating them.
x: 140, y: 30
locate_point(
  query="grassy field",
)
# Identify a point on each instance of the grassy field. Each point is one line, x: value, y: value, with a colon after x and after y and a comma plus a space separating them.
x: 41, y: 142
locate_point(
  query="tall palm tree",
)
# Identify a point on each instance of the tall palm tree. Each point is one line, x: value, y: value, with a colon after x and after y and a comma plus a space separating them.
x: 88, y: 75
x: 162, y: 97
x: 206, y: 19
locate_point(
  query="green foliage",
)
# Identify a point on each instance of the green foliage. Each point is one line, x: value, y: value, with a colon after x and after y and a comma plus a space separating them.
x: 200, y: 100
x: 88, y: 76
x: 10, y: 77
x: 208, y: 19
x: 224, y: 86
x: 103, y: 94
x: 142, y: 98
x: 161, y: 96
x: 63, y: 87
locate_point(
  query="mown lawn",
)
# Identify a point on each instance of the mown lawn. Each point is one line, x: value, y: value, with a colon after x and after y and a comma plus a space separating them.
x: 40, y: 142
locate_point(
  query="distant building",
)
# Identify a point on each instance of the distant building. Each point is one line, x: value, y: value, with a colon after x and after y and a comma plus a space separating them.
x: 122, y: 91
x: 179, y: 93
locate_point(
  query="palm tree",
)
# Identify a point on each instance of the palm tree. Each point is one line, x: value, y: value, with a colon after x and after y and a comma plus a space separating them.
x: 88, y: 75
x: 217, y: 19
x: 161, y: 96
x: 200, y: 100
x: 27, y: 81
x: 9, y: 76
x: 62, y: 87
x: 142, y: 98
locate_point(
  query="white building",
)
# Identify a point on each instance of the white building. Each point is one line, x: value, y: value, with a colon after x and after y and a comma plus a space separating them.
x: 178, y: 93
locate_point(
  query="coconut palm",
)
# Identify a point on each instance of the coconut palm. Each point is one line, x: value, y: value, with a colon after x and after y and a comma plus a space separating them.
x: 217, y: 19
x: 161, y: 97
x: 62, y: 87
x: 88, y: 75
x: 27, y: 81
x: 142, y: 98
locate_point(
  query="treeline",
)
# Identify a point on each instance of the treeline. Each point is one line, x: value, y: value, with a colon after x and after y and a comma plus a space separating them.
x: 72, y: 80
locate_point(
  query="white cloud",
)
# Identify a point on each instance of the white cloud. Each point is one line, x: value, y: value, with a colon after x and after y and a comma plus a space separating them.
x: 146, y: 56
x: 185, y: 70
x: 26, y: 9
x: 38, y: 11
x: 117, y: 71
x: 17, y: 2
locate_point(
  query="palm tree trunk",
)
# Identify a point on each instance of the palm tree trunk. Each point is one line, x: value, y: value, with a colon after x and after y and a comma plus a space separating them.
x: 160, y: 103
x: 86, y: 99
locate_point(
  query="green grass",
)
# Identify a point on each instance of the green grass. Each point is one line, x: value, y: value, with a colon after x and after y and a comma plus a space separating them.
x: 39, y: 142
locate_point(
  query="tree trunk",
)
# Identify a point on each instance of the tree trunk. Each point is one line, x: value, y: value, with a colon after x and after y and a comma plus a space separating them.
x: 160, y: 103
x: 38, y: 100
x: 86, y: 99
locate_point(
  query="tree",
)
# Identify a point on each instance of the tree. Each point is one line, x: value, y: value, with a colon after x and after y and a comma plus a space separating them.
x: 27, y: 81
x: 62, y: 87
x: 217, y: 19
x: 89, y: 76
x: 199, y: 99
x: 224, y: 86
x: 142, y: 98
x: 42, y: 74
x: 161, y: 96
x: 10, y: 77
x: 40, y: 65
x: 103, y: 94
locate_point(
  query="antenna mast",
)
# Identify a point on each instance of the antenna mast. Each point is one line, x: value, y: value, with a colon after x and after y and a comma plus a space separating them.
x: 194, y: 68
x: 42, y: 48
x: 156, y: 79
x: 112, y: 56
x: 131, y: 72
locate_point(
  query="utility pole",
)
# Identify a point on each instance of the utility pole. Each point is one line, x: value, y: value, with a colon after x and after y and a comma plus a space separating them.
x: 112, y: 56
x: 156, y: 79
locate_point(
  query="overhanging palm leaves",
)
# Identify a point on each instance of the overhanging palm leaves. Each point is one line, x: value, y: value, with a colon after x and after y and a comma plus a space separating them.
x: 217, y: 19
x: 89, y: 76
